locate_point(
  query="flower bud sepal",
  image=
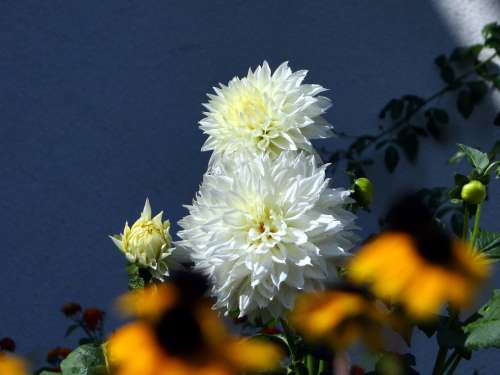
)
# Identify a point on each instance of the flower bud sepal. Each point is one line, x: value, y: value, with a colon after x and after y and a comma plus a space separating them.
x: 138, y: 277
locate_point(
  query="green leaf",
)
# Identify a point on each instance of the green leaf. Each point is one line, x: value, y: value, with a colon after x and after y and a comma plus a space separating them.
x: 440, y: 115
x: 466, y: 54
x: 461, y: 180
x: 391, y: 158
x: 456, y: 157
x: 489, y: 244
x: 46, y: 372
x: 408, y: 141
x: 433, y: 128
x: 465, y: 103
x: 447, y: 72
x: 477, y: 158
x: 135, y: 279
x: 85, y: 360
x: 485, y: 331
x: 478, y: 90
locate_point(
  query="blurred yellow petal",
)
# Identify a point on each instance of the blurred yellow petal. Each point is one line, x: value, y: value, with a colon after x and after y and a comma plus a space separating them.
x: 12, y: 365
x: 148, y: 303
x: 253, y: 355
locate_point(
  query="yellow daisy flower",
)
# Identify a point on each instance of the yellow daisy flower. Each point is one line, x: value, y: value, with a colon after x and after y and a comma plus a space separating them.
x: 339, y: 317
x: 11, y: 365
x: 181, y: 335
x: 415, y: 263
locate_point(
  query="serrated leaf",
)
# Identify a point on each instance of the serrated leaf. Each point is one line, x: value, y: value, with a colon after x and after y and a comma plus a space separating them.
x: 466, y: 54
x: 478, y: 90
x: 440, y: 115
x: 391, y: 158
x: 488, y: 243
x: 456, y: 157
x: 477, y: 158
x: 460, y: 179
x: 408, y: 141
x: 484, y: 332
x: 85, y: 360
x: 433, y: 128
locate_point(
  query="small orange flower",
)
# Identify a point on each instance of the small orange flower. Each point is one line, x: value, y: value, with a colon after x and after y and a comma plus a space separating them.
x: 93, y: 318
x: 56, y: 355
x: 7, y: 344
x: 71, y: 309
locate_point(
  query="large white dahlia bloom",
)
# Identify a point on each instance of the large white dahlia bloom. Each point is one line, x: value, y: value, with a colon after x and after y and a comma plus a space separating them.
x: 262, y: 230
x: 265, y: 112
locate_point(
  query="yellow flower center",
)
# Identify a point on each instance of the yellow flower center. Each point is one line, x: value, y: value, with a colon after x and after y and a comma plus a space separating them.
x: 250, y: 114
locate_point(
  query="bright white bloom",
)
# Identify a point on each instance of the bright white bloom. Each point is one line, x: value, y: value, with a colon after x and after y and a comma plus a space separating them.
x: 265, y: 229
x: 265, y: 112
x: 148, y: 243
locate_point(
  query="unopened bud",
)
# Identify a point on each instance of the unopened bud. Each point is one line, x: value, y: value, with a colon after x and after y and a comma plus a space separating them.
x: 473, y: 192
x: 363, y: 191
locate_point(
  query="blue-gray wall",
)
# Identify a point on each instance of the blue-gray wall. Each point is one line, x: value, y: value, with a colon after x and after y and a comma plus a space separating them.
x: 99, y: 103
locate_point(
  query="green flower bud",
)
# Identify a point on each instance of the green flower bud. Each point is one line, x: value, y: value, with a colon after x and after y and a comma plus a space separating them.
x: 363, y: 191
x: 473, y: 192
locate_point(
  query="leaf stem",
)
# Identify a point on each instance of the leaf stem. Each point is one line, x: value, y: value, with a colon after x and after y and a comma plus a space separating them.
x: 475, y: 231
x: 372, y: 139
x: 290, y: 339
x: 454, y: 363
x: 440, y: 360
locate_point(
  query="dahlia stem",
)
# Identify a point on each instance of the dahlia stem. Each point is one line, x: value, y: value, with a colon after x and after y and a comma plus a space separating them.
x: 290, y: 339
x: 466, y: 223
x: 454, y: 364
x: 440, y: 359
x: 322, y: 367
x: 312, y: 364
x: 475, y: 231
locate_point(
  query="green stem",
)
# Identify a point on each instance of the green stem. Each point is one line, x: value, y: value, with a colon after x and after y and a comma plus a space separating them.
x: 440, y: 360
x: 475, y: 231
x: 322, y: 366
x: 411, y: 114
x: 454, y: 364
x: 312, y: 364
x: 490, y: 167
x: 290, y: 339
x: 466, y: 223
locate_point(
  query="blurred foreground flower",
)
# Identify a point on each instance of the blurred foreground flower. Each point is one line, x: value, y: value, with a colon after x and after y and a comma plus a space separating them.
x: 264, y: 230
x: 181, y: 335
x: 148, y: 243
x: 339, y: 317
x: 12, y: 365
x: 265, y: 113
x: 415, y: 263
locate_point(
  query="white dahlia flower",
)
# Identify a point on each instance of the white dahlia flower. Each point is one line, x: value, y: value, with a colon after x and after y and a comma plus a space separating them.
x: 265, y: 112
x: 148, y: 243
x: 265, y: 229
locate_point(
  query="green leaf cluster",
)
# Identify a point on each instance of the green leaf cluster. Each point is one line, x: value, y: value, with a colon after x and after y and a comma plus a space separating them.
x: 484, y: 332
